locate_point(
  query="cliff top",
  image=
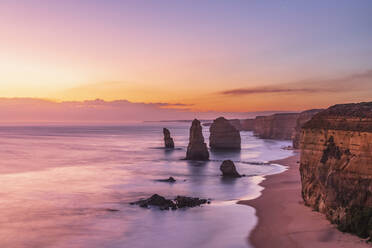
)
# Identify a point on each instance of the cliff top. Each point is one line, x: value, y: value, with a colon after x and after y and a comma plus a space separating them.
x: 278, y: 115
x: 348, y: 117
x: 221, y: 124
x: 311, y: 111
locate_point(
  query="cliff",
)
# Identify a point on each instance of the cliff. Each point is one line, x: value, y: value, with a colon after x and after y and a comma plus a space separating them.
x: 336, y: 166
x: 223, y: 135
x: 303, y: 117
x: 247, y: 124
x: 277, y: 126
x: 236, y: 123
x: 197, y: 149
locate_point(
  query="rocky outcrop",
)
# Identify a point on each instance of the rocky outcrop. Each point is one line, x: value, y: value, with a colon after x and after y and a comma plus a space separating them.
x: 168, y: 141
x: 166, y: 204
x: 228, y: 169
x: 336, y: 166
x: 277, y: 126
x: 197, y: 149
x: 304, y: 117
x: 247, y: 125
x: 168, y: 180
x: 223, y: 135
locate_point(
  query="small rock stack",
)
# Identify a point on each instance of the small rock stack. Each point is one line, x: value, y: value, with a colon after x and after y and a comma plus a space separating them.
x: 168, y: 141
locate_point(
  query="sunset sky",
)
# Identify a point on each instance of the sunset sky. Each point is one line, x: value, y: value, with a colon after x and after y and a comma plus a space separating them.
x: 233, y: 56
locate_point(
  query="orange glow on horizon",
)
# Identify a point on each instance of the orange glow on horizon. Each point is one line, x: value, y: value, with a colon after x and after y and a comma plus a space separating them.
x: 179, y: 54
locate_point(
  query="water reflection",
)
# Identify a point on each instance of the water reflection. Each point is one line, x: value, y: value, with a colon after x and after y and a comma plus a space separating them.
x: 60, y: 187
x: 234, y: 155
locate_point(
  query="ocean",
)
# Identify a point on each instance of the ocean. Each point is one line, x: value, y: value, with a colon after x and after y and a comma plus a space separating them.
x: 70, y: 186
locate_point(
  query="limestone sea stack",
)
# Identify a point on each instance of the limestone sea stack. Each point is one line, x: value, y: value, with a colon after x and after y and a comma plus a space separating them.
x: 223, y: 135
x: 197, y: 149
x: 336, y: 166
x: 304, y: 117
x: 228, y: 169
x: 168, y: 141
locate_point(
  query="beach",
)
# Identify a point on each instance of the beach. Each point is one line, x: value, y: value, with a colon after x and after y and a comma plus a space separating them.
x: 283, y: 219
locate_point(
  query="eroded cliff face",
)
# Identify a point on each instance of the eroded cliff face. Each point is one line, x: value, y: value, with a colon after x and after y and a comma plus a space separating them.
x: 236, y: 123
x: 277, y: 126
x: 336, y: 166
x: 303, y: 117
x: 247, y: 124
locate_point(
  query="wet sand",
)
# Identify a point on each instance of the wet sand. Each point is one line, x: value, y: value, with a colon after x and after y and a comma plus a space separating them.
x: 284, y: 221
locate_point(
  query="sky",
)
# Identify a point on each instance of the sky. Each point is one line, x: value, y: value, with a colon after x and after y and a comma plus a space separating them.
x: 199, y: 56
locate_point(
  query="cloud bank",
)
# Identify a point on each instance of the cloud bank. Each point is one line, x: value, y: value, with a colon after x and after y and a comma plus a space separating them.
x: 270, y: 89
x: 353, y: 82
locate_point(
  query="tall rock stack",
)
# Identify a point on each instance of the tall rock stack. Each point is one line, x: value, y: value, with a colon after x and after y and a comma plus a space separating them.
x: 197, y: 149
x: 304, y: 117
x: 223, y: 135
x: 168, y: 141
x: 336, y: 166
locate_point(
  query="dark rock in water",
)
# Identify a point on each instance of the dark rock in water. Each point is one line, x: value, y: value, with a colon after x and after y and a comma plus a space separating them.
x: 184, y: 201
x: 112, y: 210
x: 169, y: 180
x: 168, y: 141
x: 224, y: 135
x: 228, y: 169
x: 156, y: 200
x: 166, y: 204
x: 197, y: 149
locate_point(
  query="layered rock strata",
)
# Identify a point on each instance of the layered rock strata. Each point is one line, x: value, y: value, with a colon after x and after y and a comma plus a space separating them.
x: 223, y: 135
x: 197, y: 149
x: 336, y: 166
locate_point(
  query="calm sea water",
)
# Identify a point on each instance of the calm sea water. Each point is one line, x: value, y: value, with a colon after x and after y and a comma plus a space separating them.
x: 59, y: 183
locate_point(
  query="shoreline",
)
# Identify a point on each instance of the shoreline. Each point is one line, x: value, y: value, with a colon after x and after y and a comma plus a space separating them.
x: 283, y: 219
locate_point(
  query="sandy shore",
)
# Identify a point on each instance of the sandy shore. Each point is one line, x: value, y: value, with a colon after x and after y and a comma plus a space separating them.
x: 283, y: 220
